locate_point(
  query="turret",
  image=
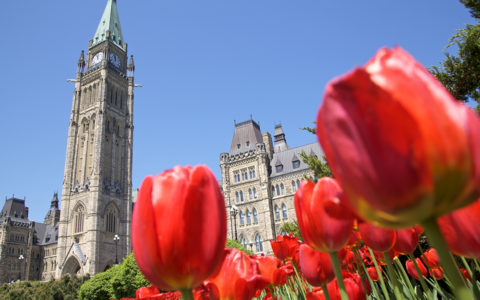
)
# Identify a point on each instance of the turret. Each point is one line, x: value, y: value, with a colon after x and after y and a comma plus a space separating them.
x: 130, y: 67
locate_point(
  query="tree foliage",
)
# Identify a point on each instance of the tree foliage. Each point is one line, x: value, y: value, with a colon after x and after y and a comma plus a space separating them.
x: 234, y: 244
x: 120, y: 281
x: 460, y: 73
x: 63, y: 289
x: 292, y: 227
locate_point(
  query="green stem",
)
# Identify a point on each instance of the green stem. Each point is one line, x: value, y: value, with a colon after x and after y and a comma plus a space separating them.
x: 382, y: 282
x: 338, y: 274
x: 398, y: 266
x: 187, y: 294
x: 425, y: 288
x: 451, y: 269
x: 372, y: 283
x: 476, y: 291
x: 393, y: 277
x: 325, y: 292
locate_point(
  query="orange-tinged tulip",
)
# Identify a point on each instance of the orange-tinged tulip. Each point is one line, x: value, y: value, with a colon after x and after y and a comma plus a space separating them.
x: 432, y: 258
x: 271, y: 269
x: 316, y: 266
x: 285, y: 247
x: 179, y: 227
x: 403, y: 150
x: 320, y: 230
x: 461, y: 230
x: 238, y: 277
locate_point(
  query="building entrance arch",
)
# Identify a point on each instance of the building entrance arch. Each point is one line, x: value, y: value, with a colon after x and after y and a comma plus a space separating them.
x: 72, y: 267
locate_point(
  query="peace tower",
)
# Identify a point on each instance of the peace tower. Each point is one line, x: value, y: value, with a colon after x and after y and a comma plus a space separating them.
x: 94, y: 225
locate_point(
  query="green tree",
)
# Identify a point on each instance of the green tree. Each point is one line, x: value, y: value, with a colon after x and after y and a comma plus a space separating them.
x: 292, y: 227
x: 460, y: 73
x: 234, y: 244
x: 319, y: 166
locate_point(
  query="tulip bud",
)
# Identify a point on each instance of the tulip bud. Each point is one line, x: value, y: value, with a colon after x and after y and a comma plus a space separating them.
x: 179, y: 227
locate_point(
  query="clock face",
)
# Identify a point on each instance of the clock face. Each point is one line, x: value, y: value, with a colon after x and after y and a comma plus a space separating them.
x: 97, y: 58
x: 115, y: 60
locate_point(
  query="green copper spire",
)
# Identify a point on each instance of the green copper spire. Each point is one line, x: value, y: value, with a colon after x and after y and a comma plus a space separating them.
x: 110, y: 22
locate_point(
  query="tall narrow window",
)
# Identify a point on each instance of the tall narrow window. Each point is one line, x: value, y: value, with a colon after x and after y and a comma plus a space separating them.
x: 241, y: 196
x: 110, y: 220
x: 255, y: 193
x: 236, y: 197
x: 78, y: 217
x: 273, y: 190
x: 249, y: 221
x: 282, y: 187
x: 250, y: 194
x: 277, y: 212
x: 243, y: 241
x: 278, y: 190
x: 294, y: 186
x: 298, y: 183
x: 258, y: 243
x: 242, y: 220
x: 255, y: 216
x: 284, y: 211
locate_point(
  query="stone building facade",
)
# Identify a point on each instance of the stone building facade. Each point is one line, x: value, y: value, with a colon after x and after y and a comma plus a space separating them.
x: 259, y: 180
x: 92, y: 231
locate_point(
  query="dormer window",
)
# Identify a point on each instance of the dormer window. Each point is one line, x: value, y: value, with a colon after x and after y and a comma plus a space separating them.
x: 279, y: 168
x: 296, y: 164
x: 238, y: 146
x: 248, y: 143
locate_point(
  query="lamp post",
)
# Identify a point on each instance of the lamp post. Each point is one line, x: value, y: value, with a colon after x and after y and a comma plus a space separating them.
x: 116, y: 238
x: 233, y: 213
x: 20, y: 258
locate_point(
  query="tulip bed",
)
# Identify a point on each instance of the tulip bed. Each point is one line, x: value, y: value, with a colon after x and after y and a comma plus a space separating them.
x: 406, y: 160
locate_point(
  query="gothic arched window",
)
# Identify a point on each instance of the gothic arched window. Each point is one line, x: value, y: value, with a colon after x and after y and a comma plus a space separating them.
x: 78, y: 219
x: 241, y: 196
x: 254, y: 193
x: 284, y: 211
x: 243, y: 241
x: 236, y: 197
x: 277, y: 212
x: 249, y: 221
x: 258, y: 243
x: 278, y: 190
x: 255, y: 216
x: 111, y: 220
x: 282, y: 187
x: 250, y: 195
x: 298, y: 183
x: 242, y: 220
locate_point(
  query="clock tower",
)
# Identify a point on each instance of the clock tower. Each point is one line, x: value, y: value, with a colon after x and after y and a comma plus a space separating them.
x: 94, y: 226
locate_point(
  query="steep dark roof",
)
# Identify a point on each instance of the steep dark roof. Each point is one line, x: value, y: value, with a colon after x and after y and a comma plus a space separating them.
x: 287, y: 157
x: 15, y: 209
x: 247, y: 134
x: 45, y: 234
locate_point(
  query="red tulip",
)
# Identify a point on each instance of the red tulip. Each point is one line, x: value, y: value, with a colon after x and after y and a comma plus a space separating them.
x: 379, y: 239
x: 437, y: 273
x: 320, y: 230
x: 403, y: 149
x: 179, y: 227
x: 353, y: 286
x: 433, y: 260
x: 238, y: 278
x: 285, y: 247
x: 271, y: 269
x: 465, y: 274
x: 147, y: 292
x: 372, y: 272
x: 316, y: 266
x: 461, y: 230
x: 410, y: 266
x: 407, y: 240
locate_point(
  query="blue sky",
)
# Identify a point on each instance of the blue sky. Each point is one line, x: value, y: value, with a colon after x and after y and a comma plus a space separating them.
x: 202, y: 64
